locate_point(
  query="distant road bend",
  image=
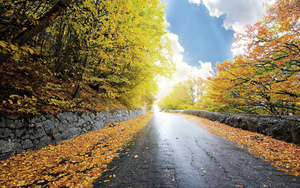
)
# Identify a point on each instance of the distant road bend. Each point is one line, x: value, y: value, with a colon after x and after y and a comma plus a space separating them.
x: 172, y: 152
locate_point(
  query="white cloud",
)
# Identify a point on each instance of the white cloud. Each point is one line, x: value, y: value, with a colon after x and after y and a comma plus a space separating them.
x: 176, y: 46
x: 183, y: 69
x: 203, y: 71
x: 237, y: 13
x: 195, y: 1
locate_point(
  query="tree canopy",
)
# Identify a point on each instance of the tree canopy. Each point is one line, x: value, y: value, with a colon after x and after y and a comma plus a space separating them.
x: 265, y: 79
x: 185, y: 95
x: 81, y: 55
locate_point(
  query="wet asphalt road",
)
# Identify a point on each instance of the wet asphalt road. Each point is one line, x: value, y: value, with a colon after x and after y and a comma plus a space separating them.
x: 173, y: 152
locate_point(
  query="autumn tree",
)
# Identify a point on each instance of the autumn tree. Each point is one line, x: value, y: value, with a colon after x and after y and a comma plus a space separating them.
x: 92, y: 53
x: 265, y: 79
x: 185, y: 95
x: 22, y: 20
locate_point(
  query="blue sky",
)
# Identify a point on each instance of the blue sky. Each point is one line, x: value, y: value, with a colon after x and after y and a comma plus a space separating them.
x: 202, y: 32
x: 203, y: 37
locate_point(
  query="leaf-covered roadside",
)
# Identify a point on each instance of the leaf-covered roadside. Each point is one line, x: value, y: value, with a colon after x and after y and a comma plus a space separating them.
x: 72, y: 163
x: 285, y: 156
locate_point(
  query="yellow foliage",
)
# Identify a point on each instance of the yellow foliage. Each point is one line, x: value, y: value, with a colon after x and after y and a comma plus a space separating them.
x: 99, y: 49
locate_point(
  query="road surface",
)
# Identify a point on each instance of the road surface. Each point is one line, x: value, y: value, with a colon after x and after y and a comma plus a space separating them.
x: 173, y: 152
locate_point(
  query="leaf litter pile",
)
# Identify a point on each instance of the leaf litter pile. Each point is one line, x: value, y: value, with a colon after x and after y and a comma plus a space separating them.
x: 285, y: 156
x: 72, y: 163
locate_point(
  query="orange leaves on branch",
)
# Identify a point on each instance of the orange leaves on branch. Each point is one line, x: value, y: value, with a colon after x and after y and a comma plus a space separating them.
x: 259, y: 80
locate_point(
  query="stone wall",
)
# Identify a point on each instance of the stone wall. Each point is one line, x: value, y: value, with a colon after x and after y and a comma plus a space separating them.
x: 20, y: 134
x: 286, y: 128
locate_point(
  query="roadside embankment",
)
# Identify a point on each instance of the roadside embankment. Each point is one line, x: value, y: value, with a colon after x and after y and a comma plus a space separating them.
x: 19, y: 134
x: 286, y: 128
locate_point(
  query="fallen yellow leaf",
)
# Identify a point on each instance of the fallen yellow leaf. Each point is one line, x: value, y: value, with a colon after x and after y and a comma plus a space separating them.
x: 66, y: 158
x: 279, y: 153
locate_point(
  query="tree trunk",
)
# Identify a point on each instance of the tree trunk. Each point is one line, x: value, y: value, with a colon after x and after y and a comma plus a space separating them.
x: 80, y: 85
x: 58, y: 64
x: 32, y: 31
